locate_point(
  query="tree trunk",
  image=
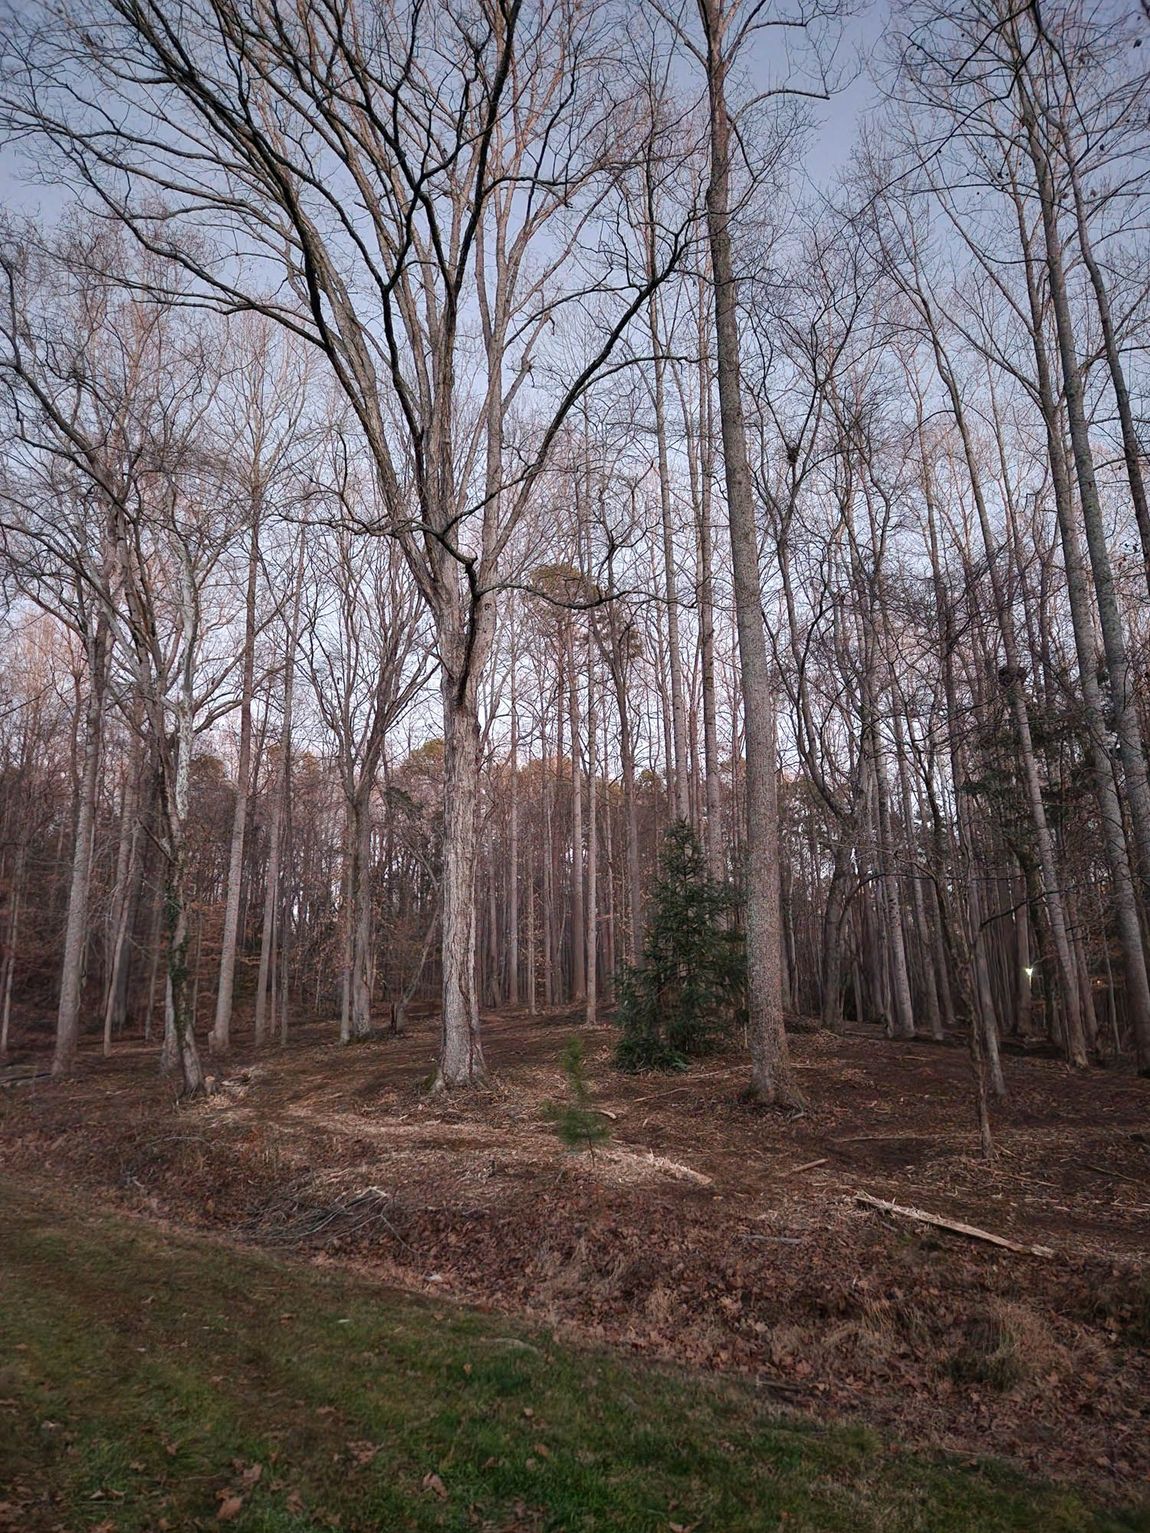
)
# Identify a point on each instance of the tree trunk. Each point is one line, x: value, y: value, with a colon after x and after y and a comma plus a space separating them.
x: 591, y: 987
x: 76, y: 926
x: 357, y: 1022
x: 461, y: 1053
x: 266, y: 975
x: 772, y: 1077
x: 219, y: 1040
x: 678, y: 762
x: 578, y: 928
x: 513, y: 855
x: 124, y: 899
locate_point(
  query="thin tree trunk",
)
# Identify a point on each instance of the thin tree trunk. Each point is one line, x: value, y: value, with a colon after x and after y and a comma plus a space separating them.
x: 678, y: 761
x: 11, y: 947
x: 123, y: 904
x: 513, y: 854
x: 266, y: 973
x: 591, y: 986
x: 219, y: 1040
x: 578, y: 853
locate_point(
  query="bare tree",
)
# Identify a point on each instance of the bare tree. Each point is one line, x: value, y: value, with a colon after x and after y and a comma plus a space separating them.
x: 402, y: 170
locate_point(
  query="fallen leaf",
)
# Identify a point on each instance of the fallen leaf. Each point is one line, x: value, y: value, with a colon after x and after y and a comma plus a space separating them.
x: 433, y: 1483
x: 229, y: 1507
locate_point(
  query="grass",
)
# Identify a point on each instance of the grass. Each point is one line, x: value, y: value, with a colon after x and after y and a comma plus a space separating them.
x: 151, y: 1381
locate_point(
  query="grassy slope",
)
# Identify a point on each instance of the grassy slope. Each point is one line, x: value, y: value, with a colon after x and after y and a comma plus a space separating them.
x: 141, y: 1375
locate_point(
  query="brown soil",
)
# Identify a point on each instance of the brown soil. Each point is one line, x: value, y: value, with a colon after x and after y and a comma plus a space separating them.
x: 700, y: 1230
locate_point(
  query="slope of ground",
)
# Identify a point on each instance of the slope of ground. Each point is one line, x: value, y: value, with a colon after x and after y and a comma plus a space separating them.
x: 703, y: 1232
x: 161, y: 1381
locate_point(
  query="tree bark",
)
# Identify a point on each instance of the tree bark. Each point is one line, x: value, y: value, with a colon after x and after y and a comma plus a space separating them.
x: 219, y: 1040
x: 461, y: 1053
x: 772, y: 1077
x: 76, y: 925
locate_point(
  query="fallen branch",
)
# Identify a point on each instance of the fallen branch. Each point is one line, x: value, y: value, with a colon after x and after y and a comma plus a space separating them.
x: 711, y: 1075
x: 878, y: 1138
x: 672, y: 1168
x: 808, y: 1165
x: 954, y: 1225
x: 784, y: 1386
x: 1120, y: 1176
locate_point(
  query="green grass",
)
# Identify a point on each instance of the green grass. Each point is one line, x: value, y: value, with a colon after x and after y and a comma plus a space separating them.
x: 142, y: 1374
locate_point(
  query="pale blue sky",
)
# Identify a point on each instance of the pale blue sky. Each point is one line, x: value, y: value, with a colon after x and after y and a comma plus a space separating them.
x: 829, y: 148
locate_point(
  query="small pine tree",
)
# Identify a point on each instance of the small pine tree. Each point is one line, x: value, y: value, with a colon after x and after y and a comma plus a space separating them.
x: 691, y: 982
x: 577, y: 1123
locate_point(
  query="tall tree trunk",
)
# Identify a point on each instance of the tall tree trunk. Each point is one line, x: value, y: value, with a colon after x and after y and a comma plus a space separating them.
x: 772, y: 1077
x: 678, y: 762
x: 513, y: 854
x: 11, y: 947
x: 1014, y: 681
x: 180, y: 1031
x: 901, y: 1020
x: 128, y: 869
x: 1121, y: 684
x: 461, y: 1052
x: 219, y: 1040
x: 1131, y: 446
x: 1123, y: 894
x: 578, y: 852
x: 357, y: 1024
x: 265, y: 979
x: 76, y: 926
x: 591, y: 987
x: 833, y: 932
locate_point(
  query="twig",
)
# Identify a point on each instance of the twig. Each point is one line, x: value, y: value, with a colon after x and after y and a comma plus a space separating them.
x: 808, y: 1165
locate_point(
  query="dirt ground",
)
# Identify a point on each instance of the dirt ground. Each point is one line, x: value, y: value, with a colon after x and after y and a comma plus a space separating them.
x: 703, y: 1229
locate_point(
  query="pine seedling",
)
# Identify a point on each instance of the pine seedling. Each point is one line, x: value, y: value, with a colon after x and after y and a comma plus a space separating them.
x: 576, y: 1122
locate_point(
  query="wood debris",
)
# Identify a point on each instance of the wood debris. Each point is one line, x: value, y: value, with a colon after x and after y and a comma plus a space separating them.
x: 922, y: 1217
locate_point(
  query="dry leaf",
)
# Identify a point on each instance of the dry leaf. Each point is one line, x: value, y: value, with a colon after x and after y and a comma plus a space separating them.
x: 433, y: 1483
x: 229, y: 1507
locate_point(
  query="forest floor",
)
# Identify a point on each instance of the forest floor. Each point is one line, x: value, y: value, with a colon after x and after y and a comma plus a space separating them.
x: 159, y: 1380
x: 703, y: 1232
